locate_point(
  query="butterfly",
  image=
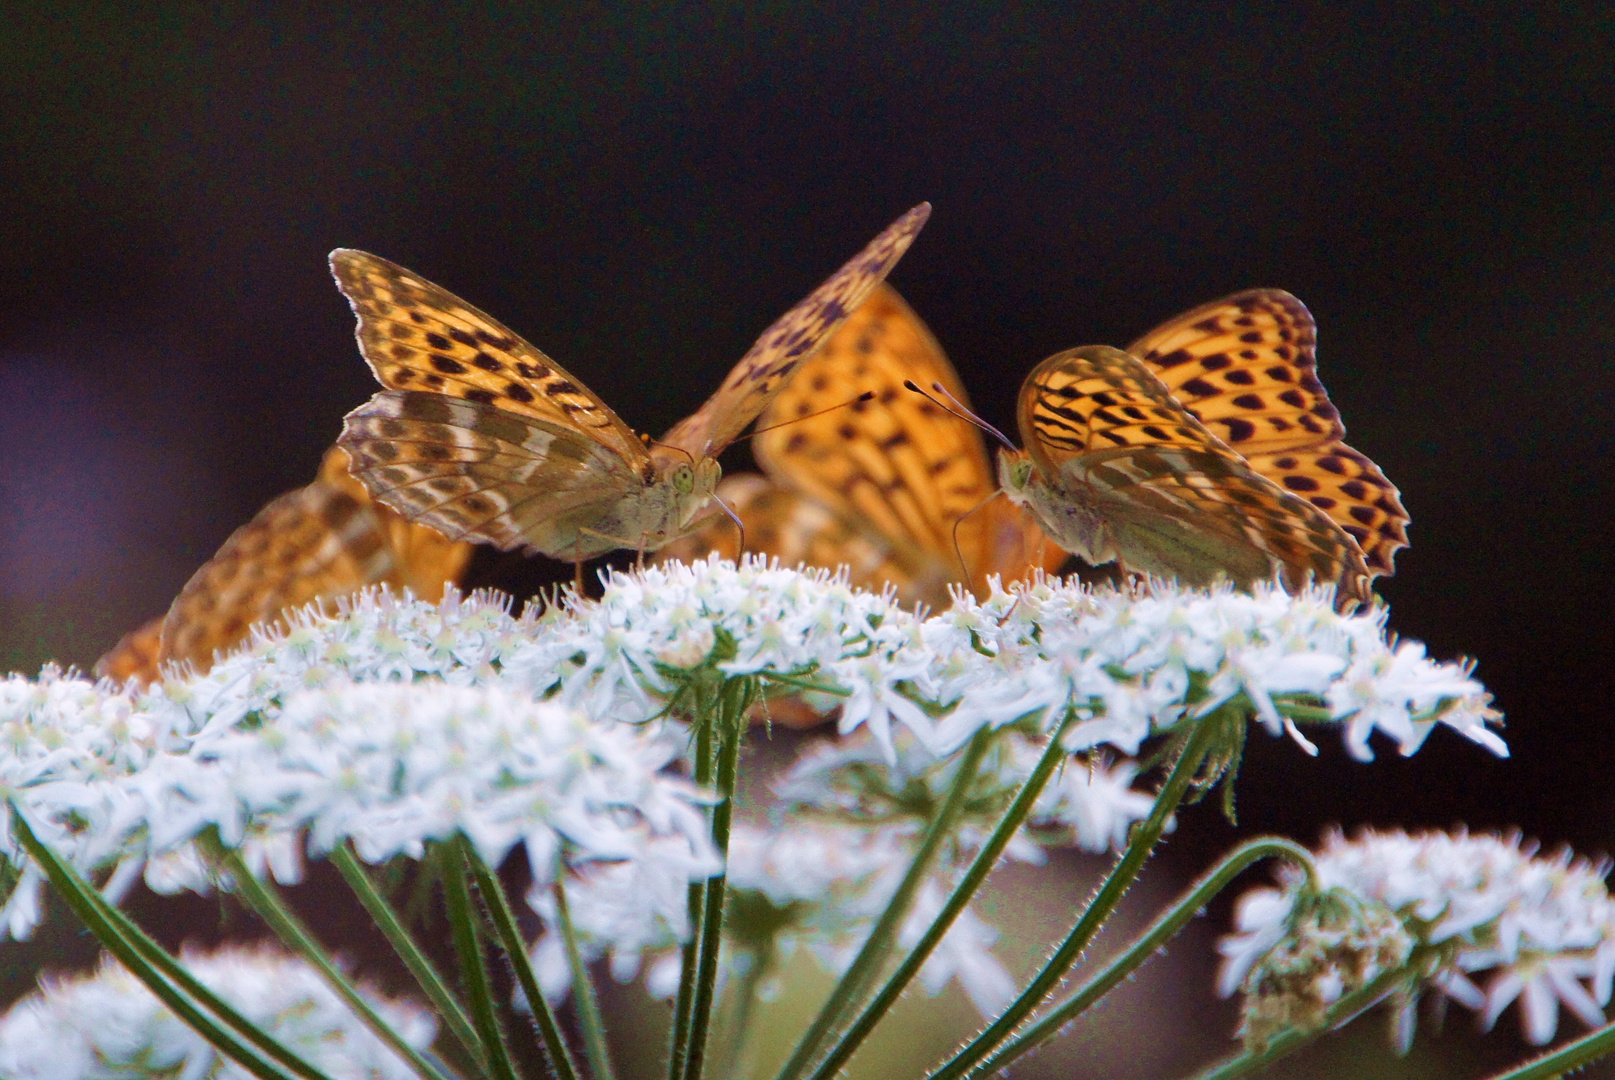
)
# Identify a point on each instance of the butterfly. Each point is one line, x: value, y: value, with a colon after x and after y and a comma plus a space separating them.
x: 1209, y: 448
x: 483, y: 437
x: 893, y: 486
x: 325, y: 540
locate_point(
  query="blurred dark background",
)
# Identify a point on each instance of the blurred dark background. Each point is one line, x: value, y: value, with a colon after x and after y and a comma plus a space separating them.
x: 640, y: 191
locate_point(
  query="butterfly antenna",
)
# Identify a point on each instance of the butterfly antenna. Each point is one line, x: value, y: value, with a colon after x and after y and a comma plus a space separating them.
x: 657, y: 442
x: 958, y: 549
x: 867, y: 395
x: 959, y: 410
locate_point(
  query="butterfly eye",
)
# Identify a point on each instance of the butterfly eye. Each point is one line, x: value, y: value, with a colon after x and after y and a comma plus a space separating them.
x: 683, y: 479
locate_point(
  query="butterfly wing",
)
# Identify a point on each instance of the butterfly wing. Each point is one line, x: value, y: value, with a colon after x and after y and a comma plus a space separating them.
x: 797, y: 530
x: 418, y: 336
x: 480, y: 472
x: 321, y: 541
x: 790, y: 341
x: 1174, y: 498
x: 424, y: 560
x: 134, y: 656
x: 1246, y: 366
x: 897, y: 468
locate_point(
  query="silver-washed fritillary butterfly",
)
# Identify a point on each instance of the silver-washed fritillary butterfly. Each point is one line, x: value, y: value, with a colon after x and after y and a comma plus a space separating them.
x: 1121, y: 461
x: 483, y: 437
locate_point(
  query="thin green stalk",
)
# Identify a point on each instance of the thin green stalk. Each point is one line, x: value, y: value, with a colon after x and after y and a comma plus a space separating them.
x: 1569, y: 1057
x: 1165, y: 927
x: 805, y: 684
x: 139, y: 954
x: 588, y: 1009
x: 732, y: 703
x: 739, y: 1025
x: 266, y: 902
x: 473, y: 968
x: 1145, y: 836
x: 987, y: 858
x: 695, y: 898
x: 562, y: 1066
x: 879, y: 943
x: 1288, y: 1043
x: 392, y: 927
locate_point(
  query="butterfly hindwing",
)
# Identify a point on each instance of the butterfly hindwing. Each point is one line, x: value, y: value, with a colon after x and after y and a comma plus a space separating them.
x: 1246, y: 365
x: 476, y: 471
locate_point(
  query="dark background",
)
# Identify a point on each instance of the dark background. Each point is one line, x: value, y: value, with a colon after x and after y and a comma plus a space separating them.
x: 641, y: 192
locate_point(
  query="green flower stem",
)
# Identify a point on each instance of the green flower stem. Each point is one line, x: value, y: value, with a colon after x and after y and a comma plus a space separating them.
x: 503, y: 919
x: 1288, y: 1043
x: 264, y: 900
x: 805, y: 684
x: 510, y: 939
x: 153, y: 966
x: 739, y: 1025
x: 731, y: 722
x: 866, y: 965
x: 473, y: 969
x: 1145, y: 836
x: 588, y: 1009
x: 985, y: 860
x: 1573, y: 1055
x: 392, y: 927
x: 1165, y: 927
x: 695, y: 899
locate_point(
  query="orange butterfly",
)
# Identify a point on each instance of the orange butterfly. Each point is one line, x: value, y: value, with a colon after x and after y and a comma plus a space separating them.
x: 894, y: 487
x: 1121, y: 461
x: 325, y: 540
x: 483, y: 437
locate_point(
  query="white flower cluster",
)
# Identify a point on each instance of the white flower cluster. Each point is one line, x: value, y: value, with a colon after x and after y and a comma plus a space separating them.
x: 394, y: 722
x: 109, y: 1025
x: 1540, y: 930
x: 387, y: 766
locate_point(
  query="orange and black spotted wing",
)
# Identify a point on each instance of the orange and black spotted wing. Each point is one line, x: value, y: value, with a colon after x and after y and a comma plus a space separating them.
x: 1173, y: 497
x: 1246, y: 366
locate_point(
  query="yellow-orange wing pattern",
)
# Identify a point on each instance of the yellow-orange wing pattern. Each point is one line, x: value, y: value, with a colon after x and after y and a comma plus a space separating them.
x: 483, y: 437
x: 1246, y: 366
x: 1116, y: 468
x: 322, y: 541
x: 881, y: 484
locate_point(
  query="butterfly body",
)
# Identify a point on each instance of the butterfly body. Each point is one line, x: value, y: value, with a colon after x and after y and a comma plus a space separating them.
x: 483, y: 437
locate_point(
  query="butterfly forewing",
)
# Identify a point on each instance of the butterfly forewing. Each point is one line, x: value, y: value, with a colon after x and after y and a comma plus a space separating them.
x: 1170, y: 496
x: 418, y: 336
x: 791, y: 340
x: 1246, y: 366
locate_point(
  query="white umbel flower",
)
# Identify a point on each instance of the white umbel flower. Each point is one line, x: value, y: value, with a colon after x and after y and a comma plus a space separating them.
x: 109, y: 1025
x: 1494, y: 922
